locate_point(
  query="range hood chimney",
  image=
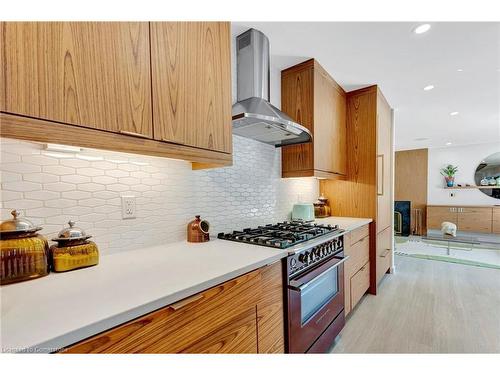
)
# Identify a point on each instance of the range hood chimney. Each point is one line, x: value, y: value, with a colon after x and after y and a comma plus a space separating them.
x: 253, y: 116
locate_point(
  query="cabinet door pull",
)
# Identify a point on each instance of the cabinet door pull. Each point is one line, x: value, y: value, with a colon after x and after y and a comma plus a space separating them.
x: 386, y: 252
x: 133, y: 134
x: 186, y: 301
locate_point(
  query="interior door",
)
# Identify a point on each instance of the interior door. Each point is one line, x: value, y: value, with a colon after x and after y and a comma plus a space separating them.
x: 92, y: 74
x: 191, y: 70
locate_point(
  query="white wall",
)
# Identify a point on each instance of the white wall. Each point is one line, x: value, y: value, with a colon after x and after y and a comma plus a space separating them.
x: 467, y: 158
x: 51, y: 188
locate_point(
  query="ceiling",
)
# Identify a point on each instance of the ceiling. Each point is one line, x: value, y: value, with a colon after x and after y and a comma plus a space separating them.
x: 402, y: 63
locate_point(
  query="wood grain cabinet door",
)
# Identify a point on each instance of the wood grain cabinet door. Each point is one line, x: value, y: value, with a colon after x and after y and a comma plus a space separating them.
x: 384, y: 164
x: 222, y: 319
x: 91, y: 74
x: 384, y: 253
x: 438, y: 214
x: 475, y: 219
x: 191, y: 78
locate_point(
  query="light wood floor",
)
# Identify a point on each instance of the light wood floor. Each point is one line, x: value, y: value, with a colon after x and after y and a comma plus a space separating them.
x: 427, y: 307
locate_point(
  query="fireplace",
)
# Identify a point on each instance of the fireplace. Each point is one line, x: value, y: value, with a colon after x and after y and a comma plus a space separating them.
x: 402, y: 218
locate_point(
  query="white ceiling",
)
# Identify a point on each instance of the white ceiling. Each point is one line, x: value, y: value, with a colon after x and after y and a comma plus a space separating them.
x: 402, y: 63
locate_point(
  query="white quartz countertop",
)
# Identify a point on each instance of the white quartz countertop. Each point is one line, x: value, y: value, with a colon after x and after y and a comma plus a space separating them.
x: 346, y: 223
x: 46, y: 314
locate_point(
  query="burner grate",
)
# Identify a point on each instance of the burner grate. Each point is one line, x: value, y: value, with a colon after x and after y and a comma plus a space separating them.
x: 281, y: 235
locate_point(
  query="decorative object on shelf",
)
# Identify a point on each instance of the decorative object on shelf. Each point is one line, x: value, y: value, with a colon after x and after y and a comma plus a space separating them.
x: 24, y: 253
x: 321, y: 207
x: 487, y: 175
x: 449, y: 174
x: 197, y: 230
x: 73, y: 250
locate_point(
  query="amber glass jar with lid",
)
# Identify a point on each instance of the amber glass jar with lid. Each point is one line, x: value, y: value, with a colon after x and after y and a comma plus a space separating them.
x: 24, y: 253
x: 73, y: 250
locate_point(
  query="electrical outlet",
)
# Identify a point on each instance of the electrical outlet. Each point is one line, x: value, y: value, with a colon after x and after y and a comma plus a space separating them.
x: 128, y: 207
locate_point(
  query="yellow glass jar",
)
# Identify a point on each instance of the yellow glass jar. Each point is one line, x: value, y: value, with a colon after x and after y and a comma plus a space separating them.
x: 24, y: 254
x: 73, y: 250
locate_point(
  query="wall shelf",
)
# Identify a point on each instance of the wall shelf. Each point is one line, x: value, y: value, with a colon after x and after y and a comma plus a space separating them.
x: 472, y: 187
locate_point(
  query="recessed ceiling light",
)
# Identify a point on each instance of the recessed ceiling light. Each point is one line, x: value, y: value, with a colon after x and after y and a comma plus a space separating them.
x: 428, y: 88
x: 448, y: 143
x: 460, y: 70
x: 453, y: 113
x: 420, y: 29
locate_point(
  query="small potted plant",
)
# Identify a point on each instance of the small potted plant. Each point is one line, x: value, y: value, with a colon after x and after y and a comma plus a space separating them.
x: 449, y: 174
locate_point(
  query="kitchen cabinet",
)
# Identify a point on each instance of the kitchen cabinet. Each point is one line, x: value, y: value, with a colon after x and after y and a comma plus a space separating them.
x: 191, y: 69
x: 366, y: 190
x: 311, y: 97
x: 92, y: 74
x: 242, y: 315
x: 357, y: 267
x: 160, y: 89
x: 436, y: 215
x: 467, y: 218
x: 384, y: 253
x: 496, y: 220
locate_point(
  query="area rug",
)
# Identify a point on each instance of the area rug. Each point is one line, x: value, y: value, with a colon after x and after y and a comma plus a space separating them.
x: 483, y: 255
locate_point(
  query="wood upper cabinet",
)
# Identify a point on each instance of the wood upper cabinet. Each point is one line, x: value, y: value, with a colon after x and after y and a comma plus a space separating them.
x: 91, y: 74
x: 160, y: 89
x: 313, y: 99
x: 191, y: 69
x: 242, y: 315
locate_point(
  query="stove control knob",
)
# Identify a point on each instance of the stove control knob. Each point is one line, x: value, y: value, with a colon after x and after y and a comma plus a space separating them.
x: 304, y: 257
x: 293, y: 263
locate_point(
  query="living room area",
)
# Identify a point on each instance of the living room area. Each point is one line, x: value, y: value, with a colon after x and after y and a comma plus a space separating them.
x: 447, y: 204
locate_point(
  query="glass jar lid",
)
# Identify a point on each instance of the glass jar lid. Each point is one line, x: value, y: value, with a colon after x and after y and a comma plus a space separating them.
x: 18, y: 225
x: 71, y: 233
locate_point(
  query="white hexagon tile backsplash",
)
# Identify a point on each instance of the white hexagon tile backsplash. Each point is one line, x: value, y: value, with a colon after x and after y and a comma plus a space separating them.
x: 49, y: 188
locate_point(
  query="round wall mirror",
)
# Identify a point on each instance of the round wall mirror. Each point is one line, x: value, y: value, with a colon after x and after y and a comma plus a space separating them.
x: 488, y: 174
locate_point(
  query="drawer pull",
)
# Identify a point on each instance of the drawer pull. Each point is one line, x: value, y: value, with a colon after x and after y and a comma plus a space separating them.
x: 186, y: 301
x: 134, y: 134
x: 386, y: 252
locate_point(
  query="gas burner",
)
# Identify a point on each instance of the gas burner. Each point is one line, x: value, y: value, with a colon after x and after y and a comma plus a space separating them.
x: 281, y: 235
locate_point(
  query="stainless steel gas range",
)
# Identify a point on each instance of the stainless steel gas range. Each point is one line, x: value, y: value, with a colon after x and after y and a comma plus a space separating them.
x: 313, y: 275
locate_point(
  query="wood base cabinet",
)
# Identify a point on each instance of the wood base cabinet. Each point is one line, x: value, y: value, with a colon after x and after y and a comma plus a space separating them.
x: 467, y: 218
x: 311, y: 97
x: 161, y: 88
x: 243, y: 315
x: 357, y: 267
x: 384, y: 253
x: 496, y: 220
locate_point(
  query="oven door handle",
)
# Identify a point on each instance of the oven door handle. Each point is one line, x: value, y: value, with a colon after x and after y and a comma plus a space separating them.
x: 293, y: 284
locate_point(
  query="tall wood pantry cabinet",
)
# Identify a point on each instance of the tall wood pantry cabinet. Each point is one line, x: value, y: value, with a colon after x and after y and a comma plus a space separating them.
x: 159, y: 88
x: 367, y: 189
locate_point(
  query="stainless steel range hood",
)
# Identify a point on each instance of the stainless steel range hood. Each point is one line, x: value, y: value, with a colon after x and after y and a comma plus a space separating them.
x: 253, y: 116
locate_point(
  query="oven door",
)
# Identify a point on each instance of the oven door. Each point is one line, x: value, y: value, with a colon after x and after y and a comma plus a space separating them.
x: 314, y: 301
